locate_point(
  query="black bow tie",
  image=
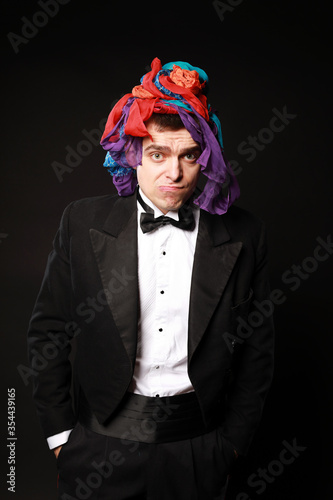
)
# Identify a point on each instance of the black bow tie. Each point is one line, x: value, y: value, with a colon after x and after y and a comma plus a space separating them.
x: 149, y: 223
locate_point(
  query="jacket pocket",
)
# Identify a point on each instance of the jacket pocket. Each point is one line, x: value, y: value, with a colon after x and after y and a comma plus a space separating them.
x: 242, y: 308
x: 241, y: 330
x: 68, y: 445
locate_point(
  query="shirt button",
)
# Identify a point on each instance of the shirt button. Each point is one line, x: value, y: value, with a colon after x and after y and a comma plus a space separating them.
x: 163, y: 253
x: 156, y: 367
x: 160, y: 329
x: 162, y: 291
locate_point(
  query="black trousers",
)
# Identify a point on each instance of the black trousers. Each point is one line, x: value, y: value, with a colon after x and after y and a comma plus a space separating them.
x: 92, y: 466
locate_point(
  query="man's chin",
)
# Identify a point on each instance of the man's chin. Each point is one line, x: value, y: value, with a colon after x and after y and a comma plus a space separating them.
x: 168, y: 205
x: 171, y: 200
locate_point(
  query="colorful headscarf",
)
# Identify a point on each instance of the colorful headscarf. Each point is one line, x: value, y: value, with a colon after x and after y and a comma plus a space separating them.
x: 176, y: 87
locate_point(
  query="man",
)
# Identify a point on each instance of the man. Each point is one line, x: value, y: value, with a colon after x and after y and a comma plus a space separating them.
x: 156, y: 285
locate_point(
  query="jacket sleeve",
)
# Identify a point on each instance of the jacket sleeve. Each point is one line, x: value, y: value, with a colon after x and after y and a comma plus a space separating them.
x: 253, y: 357
x: 50, y: 331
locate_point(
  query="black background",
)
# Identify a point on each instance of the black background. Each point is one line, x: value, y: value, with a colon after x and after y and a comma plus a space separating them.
x: 262, y: 55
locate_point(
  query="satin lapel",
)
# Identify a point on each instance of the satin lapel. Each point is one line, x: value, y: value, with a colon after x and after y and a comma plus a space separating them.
x: 213, y: 262
x: 116, y: 254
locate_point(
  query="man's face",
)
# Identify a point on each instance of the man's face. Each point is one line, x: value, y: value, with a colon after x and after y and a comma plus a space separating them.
x: 169, y: 173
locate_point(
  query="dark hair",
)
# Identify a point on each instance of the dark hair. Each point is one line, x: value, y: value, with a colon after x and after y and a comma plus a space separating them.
x: 164, y: 121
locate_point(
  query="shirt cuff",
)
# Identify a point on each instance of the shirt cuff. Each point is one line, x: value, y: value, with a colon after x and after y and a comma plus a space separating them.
x: 58, y: 439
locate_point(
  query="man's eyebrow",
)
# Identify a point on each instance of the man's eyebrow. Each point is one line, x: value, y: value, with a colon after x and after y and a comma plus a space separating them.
x: 193, y: 149
x: 157, y: 147
x: 166, y: 149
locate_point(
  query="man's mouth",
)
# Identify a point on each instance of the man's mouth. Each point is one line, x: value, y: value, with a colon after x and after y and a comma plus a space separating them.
x: 170, y: 188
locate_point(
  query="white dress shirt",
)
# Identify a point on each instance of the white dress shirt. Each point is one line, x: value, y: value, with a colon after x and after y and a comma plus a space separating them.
x: 165, y: 262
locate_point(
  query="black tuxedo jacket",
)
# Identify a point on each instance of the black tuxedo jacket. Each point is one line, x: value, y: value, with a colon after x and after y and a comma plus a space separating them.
x: 90, y: 290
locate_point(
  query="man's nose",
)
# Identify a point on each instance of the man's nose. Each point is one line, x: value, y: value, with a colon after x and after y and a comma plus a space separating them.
x: 174, y: 170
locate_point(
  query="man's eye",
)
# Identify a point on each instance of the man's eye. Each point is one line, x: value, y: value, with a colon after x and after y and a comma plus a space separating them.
x: 156, y: 156
x: 190, y: 157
